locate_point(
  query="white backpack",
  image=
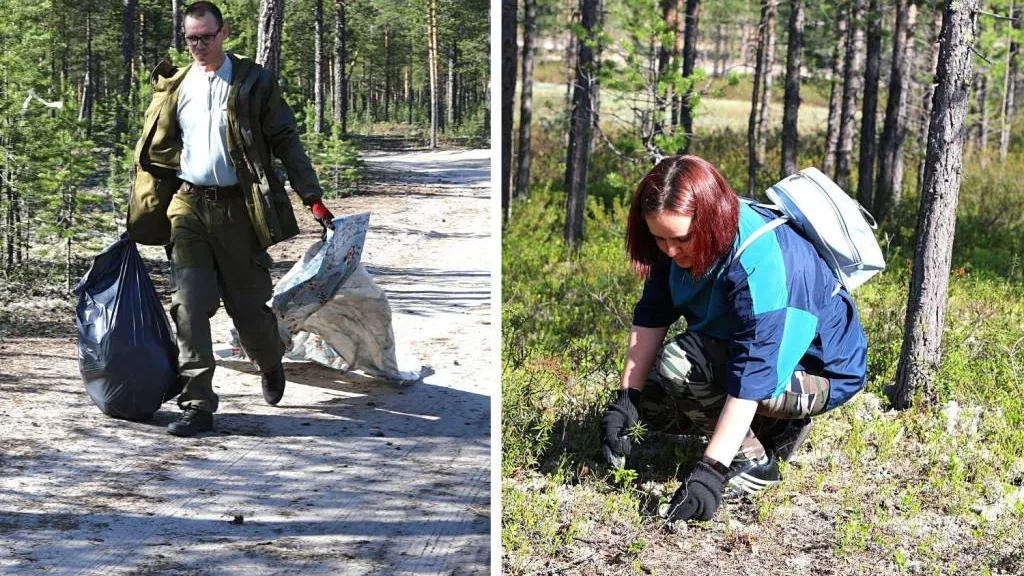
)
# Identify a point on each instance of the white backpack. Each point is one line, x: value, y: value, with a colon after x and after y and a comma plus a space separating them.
x: 840, y: 229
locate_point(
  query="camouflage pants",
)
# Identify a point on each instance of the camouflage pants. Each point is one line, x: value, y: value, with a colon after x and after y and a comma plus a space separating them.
x: 686, y: 390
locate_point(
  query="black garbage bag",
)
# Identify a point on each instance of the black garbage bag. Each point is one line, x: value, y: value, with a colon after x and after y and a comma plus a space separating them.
x: 126, y: 354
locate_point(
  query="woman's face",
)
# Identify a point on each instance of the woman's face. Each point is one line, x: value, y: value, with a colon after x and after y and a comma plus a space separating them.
x: 671, y: 231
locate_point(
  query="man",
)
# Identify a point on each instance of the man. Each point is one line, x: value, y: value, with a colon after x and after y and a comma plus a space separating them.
x: 205, y: 186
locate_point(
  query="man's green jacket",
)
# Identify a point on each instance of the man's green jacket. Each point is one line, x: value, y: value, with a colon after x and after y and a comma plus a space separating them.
x: 259, y: 123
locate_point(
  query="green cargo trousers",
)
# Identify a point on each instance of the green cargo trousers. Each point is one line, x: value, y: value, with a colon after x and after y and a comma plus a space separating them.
x: 216, y: 256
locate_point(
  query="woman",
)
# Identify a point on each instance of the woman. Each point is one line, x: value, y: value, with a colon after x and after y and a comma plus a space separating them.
x: 770, y: 334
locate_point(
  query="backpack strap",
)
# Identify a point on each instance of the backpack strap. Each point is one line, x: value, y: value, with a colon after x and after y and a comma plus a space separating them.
x: 758, y: 233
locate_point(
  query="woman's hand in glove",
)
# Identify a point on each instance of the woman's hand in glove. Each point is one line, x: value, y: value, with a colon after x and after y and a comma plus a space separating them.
x: 700, y: 494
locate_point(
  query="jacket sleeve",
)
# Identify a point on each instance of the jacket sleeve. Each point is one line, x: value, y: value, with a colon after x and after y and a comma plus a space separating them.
x: 655, y: 308
x: 768, y: 336
x: 282, y: 134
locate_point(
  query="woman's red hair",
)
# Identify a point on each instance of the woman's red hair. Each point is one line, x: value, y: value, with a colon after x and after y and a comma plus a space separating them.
x: 692, y: 187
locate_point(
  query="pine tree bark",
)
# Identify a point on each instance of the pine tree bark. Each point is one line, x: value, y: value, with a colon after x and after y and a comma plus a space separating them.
x: 828, y: 162
x: 666, y: 60
x: 1009, y: 88
x: 766, y: 87
x: 791, y: 105
x: 851, y: 88
x: 433, y: 63
x: 85, y: 110
x: 318, y: 66
x: 936, y: 223
x: 387, y: 72
x: 924, y: 119
x: 581, y: 126
x: 127, y: 61
x: 450, y: 117
x: 753, y: 126
x: 890, y: 155
x: 866, y: 162
x: 268, y: 40
x: 509, y: 9
x: 176, y: 25
x: 571, y: 17
x: 526, y: 98
x: 340, y: 80
x: 678, y: 43
x: 689, y: 62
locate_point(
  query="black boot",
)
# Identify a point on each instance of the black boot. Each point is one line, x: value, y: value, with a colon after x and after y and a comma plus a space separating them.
x: 273, y: 385
x: 750, y: 477
x: 786, y: 439
x: 193, y: 421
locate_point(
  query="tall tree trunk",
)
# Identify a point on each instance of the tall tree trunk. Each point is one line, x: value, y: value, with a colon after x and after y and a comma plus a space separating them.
x: 791, y: 104
x: 753, y: 162
x: 318, y: 65
x: 936, y: 223
x: 387, y: 73
x: 526, y: 97
x: 689, y: 62
x: 924, y: 119
x: 718, y: 67
x: 851, y: 88
x: 678, y: 43
x: 176, y: 25
x: 127, y: 58
x: 581, y: 126
x: 828, y: 162
x: 408, y: 93
x: 666, y: 61
x: 340, y: 80
x: 268, y: 40
x: 570, y: 52
x: 890, y: 155
x: 508, y: 96
x: 866, y: 163
x: 433, y: 63
x: 451, y: 85
x: 85, y: 110
x: 766, y: 84
x: 1009, y: 88
x: 981, y: 97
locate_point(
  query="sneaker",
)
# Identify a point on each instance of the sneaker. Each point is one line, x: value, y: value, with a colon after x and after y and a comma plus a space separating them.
x: 751, y: 476
x: 193, y: 421
x: 273, y: 385
x: 787, y: 439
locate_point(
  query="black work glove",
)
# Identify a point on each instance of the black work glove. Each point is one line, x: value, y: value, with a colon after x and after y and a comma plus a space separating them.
x: 617, y: 421
x: 699, y: 496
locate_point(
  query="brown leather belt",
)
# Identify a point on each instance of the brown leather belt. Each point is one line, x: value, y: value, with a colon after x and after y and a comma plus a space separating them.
x: 213, y: 193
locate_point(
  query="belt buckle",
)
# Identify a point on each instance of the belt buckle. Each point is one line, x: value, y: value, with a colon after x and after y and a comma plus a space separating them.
x: 207, y: 192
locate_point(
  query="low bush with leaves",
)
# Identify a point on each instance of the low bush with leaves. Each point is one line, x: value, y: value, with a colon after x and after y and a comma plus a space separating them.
x: 937, y: 489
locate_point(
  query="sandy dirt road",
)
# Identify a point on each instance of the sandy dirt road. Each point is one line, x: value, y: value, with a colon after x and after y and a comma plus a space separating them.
x: 345, y: 476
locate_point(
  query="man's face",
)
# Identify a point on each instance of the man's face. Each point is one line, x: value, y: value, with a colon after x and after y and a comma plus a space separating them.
x: 205, y: 39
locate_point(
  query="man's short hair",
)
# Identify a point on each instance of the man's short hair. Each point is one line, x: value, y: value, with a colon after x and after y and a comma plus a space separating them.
x: 200, y: 9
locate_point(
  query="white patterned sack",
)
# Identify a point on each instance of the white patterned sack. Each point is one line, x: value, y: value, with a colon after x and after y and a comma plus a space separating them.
x: 330, y: 311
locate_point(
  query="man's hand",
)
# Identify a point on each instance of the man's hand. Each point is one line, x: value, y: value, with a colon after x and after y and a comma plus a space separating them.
x: 322, y: 214
x: 699, y: 496
x: 618, y: 419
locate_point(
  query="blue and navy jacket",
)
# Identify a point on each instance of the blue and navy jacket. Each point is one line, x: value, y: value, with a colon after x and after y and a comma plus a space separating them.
x: 776, y: 305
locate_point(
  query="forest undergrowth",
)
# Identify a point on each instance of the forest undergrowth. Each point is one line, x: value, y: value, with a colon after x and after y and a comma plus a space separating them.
x: 936, y: 489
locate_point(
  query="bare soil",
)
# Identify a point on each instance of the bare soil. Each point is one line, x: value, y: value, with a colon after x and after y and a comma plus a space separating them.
x: 346, y: 475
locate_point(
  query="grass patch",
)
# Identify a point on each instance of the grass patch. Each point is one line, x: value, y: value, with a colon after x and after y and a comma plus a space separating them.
x: 935, y: 489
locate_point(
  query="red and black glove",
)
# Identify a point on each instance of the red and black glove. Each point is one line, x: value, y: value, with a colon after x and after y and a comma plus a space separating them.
x: 322, y: 214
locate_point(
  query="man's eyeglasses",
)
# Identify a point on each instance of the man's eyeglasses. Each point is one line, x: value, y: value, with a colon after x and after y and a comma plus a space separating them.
x: 205, y: 39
